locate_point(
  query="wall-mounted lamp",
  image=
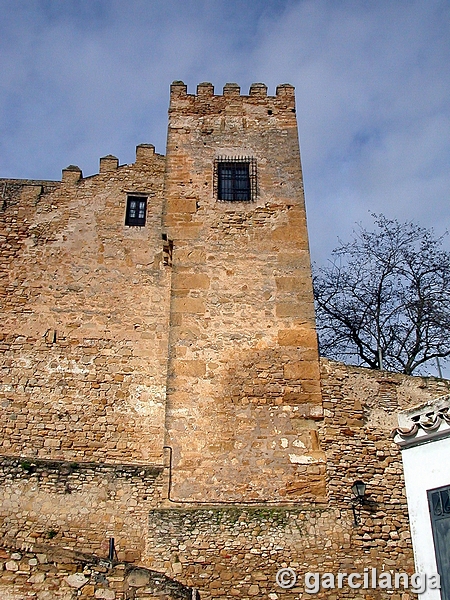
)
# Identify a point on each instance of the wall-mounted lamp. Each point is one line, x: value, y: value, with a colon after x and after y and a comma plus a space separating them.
x: 358, y: 491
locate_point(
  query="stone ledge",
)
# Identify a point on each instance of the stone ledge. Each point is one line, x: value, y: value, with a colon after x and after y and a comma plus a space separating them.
x: 32, y: 466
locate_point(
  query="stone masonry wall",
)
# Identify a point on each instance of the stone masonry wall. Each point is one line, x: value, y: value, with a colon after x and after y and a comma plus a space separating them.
x: 77, y: 505
x: 243, y: 361
x: 76, y: 399
x: 161, y: 384
x: 360, y: 413
x: 46, y: 573
x: 236, y: 551
x: 17, y: 209
x: 85, y: 311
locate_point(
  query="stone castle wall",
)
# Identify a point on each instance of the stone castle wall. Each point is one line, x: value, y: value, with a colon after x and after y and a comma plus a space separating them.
x: 85, y: 310
x: 77, y: 505
x: 48, y: 573
x: 236, y: 551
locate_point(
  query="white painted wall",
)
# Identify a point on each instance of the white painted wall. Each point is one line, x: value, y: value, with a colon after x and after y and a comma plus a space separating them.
x: 426, y: 466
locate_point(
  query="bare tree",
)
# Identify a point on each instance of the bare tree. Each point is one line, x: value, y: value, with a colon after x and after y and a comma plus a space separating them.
x: 384, y: 299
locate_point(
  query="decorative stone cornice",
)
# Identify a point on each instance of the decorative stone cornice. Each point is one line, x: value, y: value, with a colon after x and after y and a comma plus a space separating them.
x: 423, y: 423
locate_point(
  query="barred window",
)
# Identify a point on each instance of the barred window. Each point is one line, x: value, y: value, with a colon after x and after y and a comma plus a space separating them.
x: 440, y: 502
x: 439, y: 505
x: 136, y: 211
x: 235, y: 179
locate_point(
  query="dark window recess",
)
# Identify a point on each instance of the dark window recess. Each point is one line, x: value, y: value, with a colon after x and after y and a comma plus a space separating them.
x: 235, y: 179
x: 136, y: 211
x: 439, y: 503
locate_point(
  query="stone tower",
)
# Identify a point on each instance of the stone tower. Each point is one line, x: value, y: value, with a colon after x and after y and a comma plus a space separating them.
x: 243, y: 392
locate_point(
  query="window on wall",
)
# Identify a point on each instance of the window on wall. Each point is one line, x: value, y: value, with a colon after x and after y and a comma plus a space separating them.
x: 439, y: 504
x: 235, y: 179
x: 136, y: 211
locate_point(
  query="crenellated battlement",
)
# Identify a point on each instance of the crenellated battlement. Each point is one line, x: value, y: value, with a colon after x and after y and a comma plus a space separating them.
x: 145, y: 154
x: 179, y: 89
x: 161, y: 385
x: 231, y: 96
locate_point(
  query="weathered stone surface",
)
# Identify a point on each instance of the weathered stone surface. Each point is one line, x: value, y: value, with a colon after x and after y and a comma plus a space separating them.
x: 105, y: 594
x: 74, y: 497
x: 172, y: 369
x: 190, y: 281
x: 301, y: 370
x: 182, y: 205
x: 84, y: 303
x: 189, y: 305
x: 37, y: 578
x: 138, y: 578
x: 62, y: 578
x: 297, y: 337
x: 77, y: 580
x: 229, y: 288
x: 190, y: 368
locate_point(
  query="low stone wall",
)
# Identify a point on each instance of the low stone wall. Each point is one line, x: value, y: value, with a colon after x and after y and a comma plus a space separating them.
x: 360, y: 413
x: 237, y: 551
x: 47, y: 573
x: 77, y: 505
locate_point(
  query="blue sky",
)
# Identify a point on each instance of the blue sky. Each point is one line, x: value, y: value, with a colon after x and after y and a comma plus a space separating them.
x: 85, y: 78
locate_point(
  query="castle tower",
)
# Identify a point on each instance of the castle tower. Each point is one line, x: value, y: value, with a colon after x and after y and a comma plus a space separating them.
x: 243, y: 394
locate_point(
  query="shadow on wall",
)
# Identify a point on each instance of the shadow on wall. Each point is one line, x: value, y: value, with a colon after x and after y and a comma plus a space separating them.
x: 256, y: 438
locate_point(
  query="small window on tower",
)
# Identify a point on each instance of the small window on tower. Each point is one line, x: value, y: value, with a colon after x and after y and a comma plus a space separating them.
x: 136, y: 211
x: 235, y: 179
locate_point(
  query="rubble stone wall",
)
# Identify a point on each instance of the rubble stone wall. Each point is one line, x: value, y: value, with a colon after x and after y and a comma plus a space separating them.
x: 161, y: 384
x: 47, y: 573
x: 77, y: 505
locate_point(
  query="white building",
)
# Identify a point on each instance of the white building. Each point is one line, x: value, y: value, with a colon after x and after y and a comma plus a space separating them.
x: 424, y: 437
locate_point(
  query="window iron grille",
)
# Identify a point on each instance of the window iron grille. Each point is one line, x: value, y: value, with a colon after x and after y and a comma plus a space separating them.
x: 235, y: 179
x: 439, y: 505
